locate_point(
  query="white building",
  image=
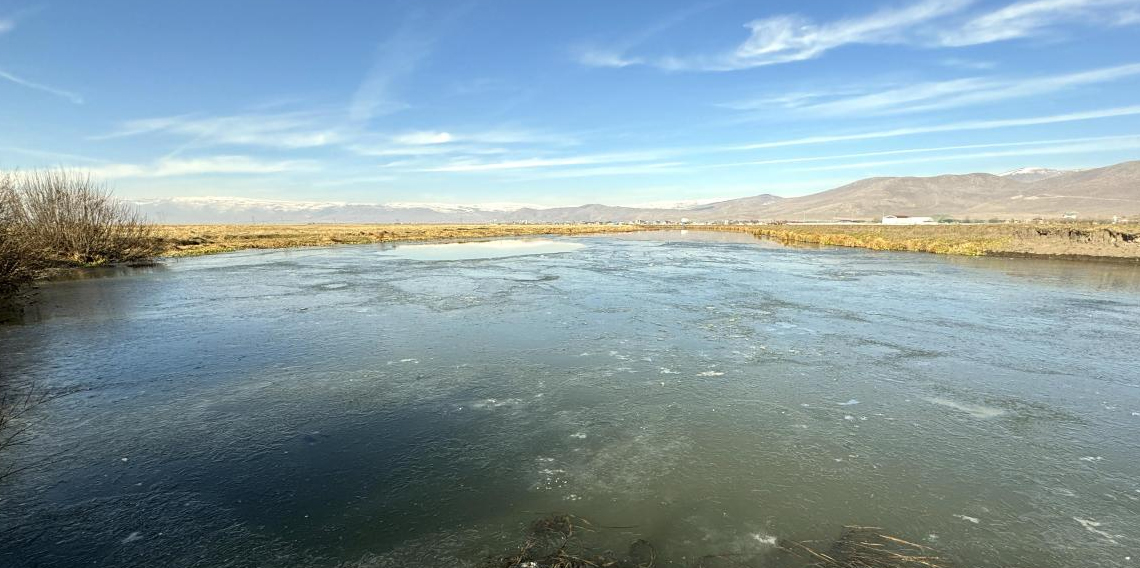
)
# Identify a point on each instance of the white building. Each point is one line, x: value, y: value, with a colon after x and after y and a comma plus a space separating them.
x: 904, y: 220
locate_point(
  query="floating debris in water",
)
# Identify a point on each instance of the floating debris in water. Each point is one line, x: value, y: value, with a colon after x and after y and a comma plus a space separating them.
x: 851, y: 402
x: 132, y: 537
x: 1092, y: 459
x: 974, y: 520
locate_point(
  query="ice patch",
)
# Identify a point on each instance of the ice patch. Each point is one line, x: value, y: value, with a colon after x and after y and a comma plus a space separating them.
x: 974, y: 520
x: 764, y: 539
x: 975, y: 410
x: 496, y: 403
x: 1091, y: 526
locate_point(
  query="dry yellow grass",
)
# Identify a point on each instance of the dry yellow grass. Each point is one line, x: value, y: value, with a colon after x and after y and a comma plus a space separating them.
x: 1117, y: 241
x: 193, y: 240
x: 1076, y: 240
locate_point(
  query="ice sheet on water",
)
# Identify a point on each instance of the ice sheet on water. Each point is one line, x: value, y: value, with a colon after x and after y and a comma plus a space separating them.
x: 975, y: 410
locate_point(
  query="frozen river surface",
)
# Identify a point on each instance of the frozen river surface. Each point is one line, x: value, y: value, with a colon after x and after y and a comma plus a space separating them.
x: 377, y: 406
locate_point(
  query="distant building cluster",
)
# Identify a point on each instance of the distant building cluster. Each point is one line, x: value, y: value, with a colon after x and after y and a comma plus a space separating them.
x: 907, y: 220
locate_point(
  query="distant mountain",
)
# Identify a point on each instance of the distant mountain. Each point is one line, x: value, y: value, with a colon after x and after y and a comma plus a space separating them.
x: 190, y: 210
x: 1023, y: 193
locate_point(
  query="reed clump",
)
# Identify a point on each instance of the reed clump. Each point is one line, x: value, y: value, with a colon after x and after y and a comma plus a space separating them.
x: 555, y: 541
x: 866, y: 547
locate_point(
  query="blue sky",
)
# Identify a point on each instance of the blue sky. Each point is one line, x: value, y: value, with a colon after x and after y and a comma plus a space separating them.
x: 555, y: 103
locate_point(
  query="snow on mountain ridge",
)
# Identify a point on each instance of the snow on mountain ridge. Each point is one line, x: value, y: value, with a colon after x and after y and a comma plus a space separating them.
x: 1031, y: 174
x: 227, y: 203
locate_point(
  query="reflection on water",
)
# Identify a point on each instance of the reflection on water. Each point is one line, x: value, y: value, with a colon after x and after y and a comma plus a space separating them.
x: 316, y: 407
x: 1103, y: 275
x: 472, y: 250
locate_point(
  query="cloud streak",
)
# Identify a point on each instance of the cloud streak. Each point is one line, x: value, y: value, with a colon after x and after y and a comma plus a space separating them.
x: 74, y: 98
x: 171, y: 167
x: 1112, y: 144
x: 789, y: 38
x: 833, y: 157
x: 949, y: 127
x: 1027, y: 19
x: 941, y: 95
x: 536, y: 163
x: 284, y: 130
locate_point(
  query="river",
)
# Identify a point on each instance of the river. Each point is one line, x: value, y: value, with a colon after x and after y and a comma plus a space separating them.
x: 383, y: 405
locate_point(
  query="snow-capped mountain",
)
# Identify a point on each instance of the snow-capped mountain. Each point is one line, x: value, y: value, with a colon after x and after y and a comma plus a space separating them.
x: 1032, y: 174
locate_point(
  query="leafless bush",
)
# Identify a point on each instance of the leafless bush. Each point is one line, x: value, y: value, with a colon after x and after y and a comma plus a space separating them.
x: 69, y: 217
x: 17, y: 262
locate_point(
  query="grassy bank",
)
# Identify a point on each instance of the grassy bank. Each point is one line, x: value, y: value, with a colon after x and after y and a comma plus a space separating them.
x: 195, y: 240
x: 1072, y: 240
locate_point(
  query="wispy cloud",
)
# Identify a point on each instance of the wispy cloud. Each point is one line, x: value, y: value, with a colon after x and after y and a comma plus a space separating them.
x: 283, y: 130
x: 1027, y: 19
x: 948, y: 127
x: 73, y: 97
x: 959, y: 93
x: 422, y: 138
x: 929, y: 150
x: 791, y: 37
x: 614, y: 54
x: 534, y: 163
x: 1106, y: 145
x: 57, y: 157
x: 172, y: 167
x: 6, y: 25
x: 395, y: 59
x: 928, y: 24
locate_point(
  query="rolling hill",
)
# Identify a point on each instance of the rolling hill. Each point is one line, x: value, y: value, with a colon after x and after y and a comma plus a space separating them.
x: 1025, y: 193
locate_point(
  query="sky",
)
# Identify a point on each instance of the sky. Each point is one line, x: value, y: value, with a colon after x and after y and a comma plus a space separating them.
x: 559, y: 102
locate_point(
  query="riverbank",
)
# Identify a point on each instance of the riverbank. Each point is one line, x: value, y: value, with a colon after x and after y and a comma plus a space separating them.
x: 1075, y: 240
x: 196, y: 240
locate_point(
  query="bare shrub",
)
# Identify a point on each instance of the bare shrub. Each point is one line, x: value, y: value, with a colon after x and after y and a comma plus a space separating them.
x: 17, y: 262
x: 69, y: 217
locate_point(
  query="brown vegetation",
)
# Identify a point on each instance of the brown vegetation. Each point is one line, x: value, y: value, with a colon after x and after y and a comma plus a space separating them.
x: 60, y: 218
x: 1076, y: 240
x: 193, y: 240
x: 1070, y: 240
